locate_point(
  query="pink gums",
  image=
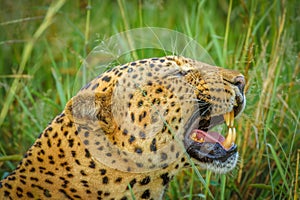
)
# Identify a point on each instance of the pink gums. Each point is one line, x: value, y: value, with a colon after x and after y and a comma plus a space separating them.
x: 209, y: 136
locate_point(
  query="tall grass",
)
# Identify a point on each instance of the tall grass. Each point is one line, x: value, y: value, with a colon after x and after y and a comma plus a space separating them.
x: 42, y: 46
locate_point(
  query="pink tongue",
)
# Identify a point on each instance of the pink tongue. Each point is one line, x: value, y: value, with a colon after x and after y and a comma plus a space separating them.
x: 209, y: 136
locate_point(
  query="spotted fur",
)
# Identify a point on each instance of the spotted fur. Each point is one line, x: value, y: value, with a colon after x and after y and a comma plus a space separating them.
x: 122, y: 133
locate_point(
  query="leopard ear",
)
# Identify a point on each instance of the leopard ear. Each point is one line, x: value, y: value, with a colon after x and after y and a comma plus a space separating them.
x: 91, y: 109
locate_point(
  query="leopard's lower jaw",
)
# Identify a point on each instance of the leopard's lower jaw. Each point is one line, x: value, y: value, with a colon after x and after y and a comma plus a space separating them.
x: 211, y: 150
x: 219, y: 166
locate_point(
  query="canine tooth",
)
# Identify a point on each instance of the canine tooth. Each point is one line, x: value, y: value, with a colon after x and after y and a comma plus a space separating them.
x: 233, y: 135
x: 228, y: 140
x: 231, y: 118
x: 227, y: 118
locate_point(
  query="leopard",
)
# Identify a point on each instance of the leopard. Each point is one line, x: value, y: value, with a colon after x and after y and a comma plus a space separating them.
x: 129, y: 131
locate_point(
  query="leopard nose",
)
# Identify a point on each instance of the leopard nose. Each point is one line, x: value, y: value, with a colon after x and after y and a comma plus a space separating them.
x: 239, y: 81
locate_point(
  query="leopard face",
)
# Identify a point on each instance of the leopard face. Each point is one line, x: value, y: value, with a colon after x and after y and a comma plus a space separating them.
x: 131, y: 129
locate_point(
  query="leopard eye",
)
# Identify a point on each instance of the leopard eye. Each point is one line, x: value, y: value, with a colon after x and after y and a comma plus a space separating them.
x: 239, y: 81
x: 180, y: 73
x: 183, y: 72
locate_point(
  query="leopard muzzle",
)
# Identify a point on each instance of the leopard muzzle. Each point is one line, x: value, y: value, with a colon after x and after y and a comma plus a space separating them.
x: 210, y: 149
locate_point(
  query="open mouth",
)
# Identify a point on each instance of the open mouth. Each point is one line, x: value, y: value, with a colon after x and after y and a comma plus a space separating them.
x: 209, y: 146
x: 201, y: 136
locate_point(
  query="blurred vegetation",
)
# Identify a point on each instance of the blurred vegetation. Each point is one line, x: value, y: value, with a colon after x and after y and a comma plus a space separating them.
x: 40, y: 57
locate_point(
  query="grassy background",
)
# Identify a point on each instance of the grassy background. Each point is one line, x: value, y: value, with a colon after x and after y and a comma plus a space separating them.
x: 42, y: 46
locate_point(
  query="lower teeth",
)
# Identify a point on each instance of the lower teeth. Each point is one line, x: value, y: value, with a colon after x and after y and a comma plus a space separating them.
x: 231, y: 135
x: 230, y: 139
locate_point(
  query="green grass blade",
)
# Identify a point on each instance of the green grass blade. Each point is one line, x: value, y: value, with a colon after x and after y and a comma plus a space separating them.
x: 57, y: 77
x: 11, y: 158
x: 223, y: 186
x: 59, y: 88
x: 207, y: 180
x: 262, y: 186
x: 131, y: 192
x: 29, y: 114
x: 216, y: 44
x: 225, y: 46
x: 278, y: 164
x: 192, y: 185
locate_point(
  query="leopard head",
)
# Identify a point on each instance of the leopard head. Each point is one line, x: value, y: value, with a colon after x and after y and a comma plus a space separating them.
x: 147, y: 114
